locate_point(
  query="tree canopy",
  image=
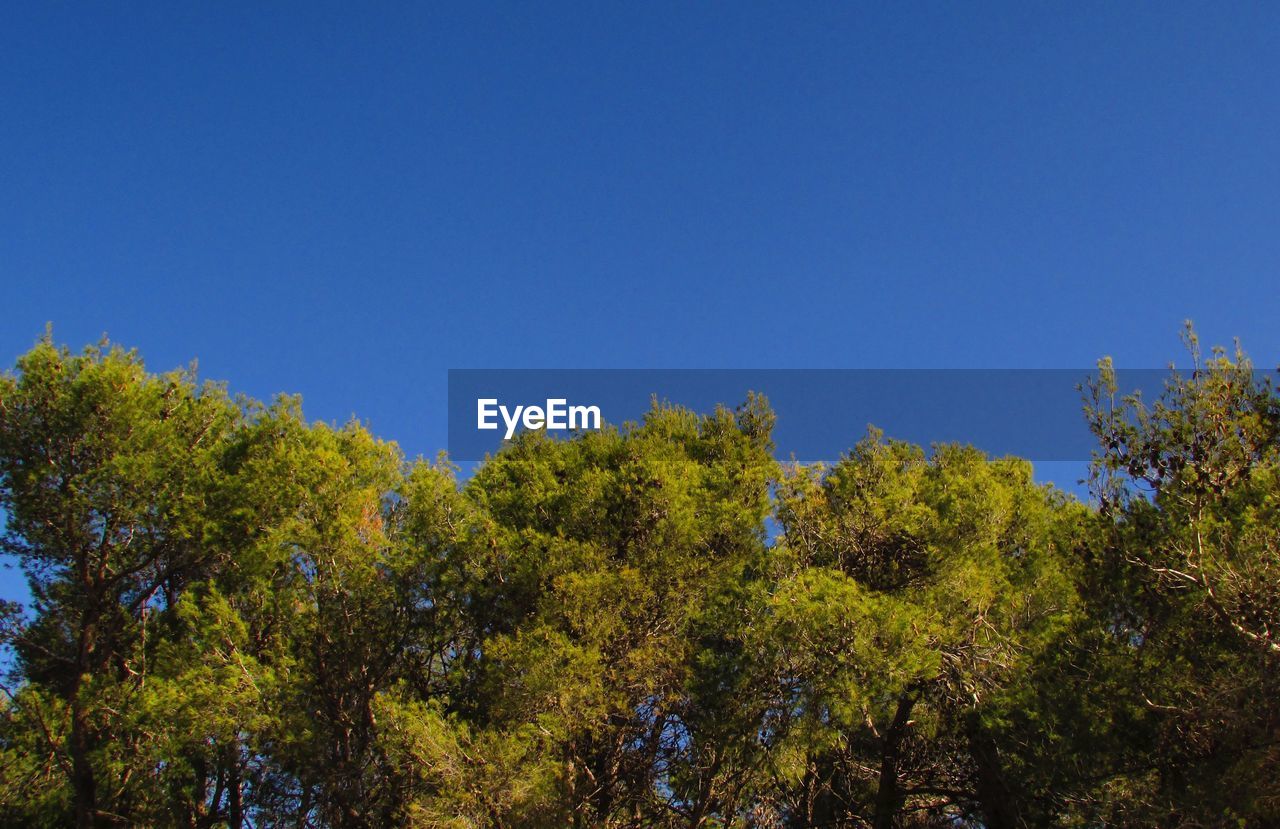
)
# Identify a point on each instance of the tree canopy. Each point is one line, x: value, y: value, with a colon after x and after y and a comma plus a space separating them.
x: 242, y: 618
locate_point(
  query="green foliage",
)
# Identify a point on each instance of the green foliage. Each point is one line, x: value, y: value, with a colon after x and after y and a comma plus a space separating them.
x: 243, y: 618
x: 1186, y: 575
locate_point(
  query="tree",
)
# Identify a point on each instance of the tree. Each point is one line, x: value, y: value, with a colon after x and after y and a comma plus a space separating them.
x: 244, y: 618
x: 604, y: 550
x: 917, y: 592
x: 1188, y: 582
x: 104, y: 471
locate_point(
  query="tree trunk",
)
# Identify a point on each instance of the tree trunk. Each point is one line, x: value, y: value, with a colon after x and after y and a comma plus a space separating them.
x: 889, y: 792
x: 999, y: 806
x: 235, y: 805
x: 83, y: 785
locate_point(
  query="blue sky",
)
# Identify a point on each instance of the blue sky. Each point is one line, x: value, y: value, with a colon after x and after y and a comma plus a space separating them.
x: 347, y: 201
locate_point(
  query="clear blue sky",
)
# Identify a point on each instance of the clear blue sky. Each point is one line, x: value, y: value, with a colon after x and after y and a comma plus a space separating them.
x: 346, y: 201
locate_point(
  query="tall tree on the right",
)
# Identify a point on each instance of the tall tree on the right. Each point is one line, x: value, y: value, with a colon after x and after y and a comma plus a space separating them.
x: 1185, y: 580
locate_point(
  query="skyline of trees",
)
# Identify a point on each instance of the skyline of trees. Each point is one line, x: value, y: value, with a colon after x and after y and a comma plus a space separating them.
x: 241, y: 618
